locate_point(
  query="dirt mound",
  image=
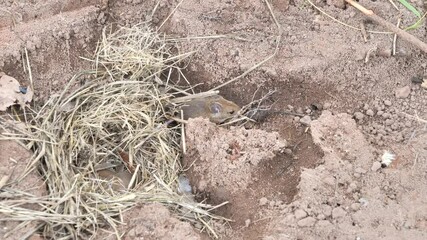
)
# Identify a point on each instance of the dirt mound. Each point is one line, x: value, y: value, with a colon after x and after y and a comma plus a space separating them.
x: 223, y: 159
x: 347, y: 197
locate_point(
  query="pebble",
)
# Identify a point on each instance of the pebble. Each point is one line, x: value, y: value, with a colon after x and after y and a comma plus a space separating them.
x: 307, y: 222
x: 370, y: 113
x: 272, y: 203
x: 387, y: 103
x: 288, y: 151
x: 355, y: 206
x: 321, y: 216
x: 306, y: 120
x: 338, y: 212
x: 327, y: 210
x: 327, y: 106
x: 353, y: 186
x: 300, y: 214
x: 247, y: 222
x: 329, y: 180
x: 403, y: 92
x: 358, y: 115
x: 360, y: 170
x: 323, y: 223
x: 389, y: 122
x: 386, y: 115
x: 376, y: 166
x: 263, y: 201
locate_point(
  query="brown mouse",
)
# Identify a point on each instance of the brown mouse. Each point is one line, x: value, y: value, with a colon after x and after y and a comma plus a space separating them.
x: 120, y: 179
x: 215, y: 108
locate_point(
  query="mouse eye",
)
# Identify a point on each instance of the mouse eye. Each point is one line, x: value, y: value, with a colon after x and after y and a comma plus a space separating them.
x: 216, y: 108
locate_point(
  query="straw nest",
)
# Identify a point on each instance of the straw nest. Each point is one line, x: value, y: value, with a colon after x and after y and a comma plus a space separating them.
x: 120, y: 113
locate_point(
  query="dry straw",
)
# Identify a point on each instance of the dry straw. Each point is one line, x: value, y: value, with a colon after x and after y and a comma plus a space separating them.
x: 120, y: 114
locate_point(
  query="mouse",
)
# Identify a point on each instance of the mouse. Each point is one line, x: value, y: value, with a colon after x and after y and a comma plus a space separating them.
x: 120, y: 178
x: 215, y: 108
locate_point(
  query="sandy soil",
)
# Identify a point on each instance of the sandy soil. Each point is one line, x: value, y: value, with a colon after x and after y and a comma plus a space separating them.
x: 311, y: 177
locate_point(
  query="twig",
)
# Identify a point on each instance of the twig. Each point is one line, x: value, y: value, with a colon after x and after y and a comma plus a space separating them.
x: 363, y: 30
x: 342, y: 23
x: 184, y: 145
x: 170, y: 14
x: 395, y: 38
x: 368, y: 54
x: 394, y: 4
x: 399, y: 32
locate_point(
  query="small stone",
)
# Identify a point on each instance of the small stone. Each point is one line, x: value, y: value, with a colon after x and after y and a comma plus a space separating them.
x: 360, y: 170
x: 263, y: 201
x: 365, y: 107
x: 247, y: 222
x: 306, y: 120
x: 327, y: 210
x: 329, y: 180
x: 355, y: 206
x: 321, y: 216
x: 380, y: 113
x: 387, y: 103
x: 300, y: 214
x: 307, y: 222
x: 338, y: 212
x: 403, y: 92
x: 358, y: 115
x: 370, y: 113
x: 375, y: 166
x: 326, y: 106
x: 384, y: 53
x: 289, y: 219
x: 389, y: 122
x: 272, y: 203
x: 288, y: 151
x: 323, y: 223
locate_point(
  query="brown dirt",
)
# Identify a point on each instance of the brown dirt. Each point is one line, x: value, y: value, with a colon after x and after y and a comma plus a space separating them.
x: 152, y: 221
x: 321, y: 186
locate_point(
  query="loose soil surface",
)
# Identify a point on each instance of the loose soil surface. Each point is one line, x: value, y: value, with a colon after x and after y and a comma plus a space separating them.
x: 313, y: 176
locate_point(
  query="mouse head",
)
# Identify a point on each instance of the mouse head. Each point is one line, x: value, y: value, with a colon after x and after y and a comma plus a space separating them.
x: 221, y: 110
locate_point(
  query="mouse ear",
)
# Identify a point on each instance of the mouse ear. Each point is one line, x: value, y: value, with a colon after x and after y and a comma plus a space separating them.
x: 216, y: 108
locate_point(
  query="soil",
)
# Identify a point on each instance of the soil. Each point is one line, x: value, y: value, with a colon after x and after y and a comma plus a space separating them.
x: 313, y: 176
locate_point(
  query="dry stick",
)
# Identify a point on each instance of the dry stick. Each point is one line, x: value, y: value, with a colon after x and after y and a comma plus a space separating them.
x: 395, y: 38
x: 363, y: 30
x: 394, y: 4
x: 399, y: 32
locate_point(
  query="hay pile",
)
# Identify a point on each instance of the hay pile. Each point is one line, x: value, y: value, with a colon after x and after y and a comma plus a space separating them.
x: 120, y: 115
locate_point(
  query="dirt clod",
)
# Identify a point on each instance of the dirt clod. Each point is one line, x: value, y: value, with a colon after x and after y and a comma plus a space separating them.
x: 403, y: 92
